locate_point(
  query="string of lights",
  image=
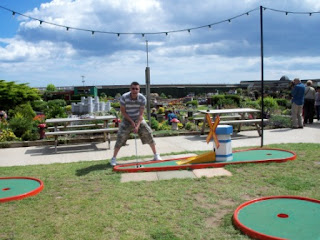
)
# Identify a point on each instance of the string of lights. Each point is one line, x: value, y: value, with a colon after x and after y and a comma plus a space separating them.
x: 290, y: 12
x: 143, y: 34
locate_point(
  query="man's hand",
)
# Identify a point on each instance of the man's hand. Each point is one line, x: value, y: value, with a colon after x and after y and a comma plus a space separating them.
x: 136, y: 127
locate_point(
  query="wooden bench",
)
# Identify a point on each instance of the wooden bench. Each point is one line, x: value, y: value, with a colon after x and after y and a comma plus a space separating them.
x: 239, y: 122
x: 200, y: 119
x: 105, y: 131
x: 77, y: 126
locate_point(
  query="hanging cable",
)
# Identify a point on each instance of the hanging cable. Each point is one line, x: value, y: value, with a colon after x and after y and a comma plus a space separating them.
x: 143, y: 34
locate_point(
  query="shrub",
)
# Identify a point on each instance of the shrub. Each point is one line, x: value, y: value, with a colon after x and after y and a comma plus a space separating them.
x: 30, y: 135
x: 25, y: 110
x: 193, y: 103
x: 154, y: 124
x: 286, y: 112
x: 215, y: 99
x: 270, y: 104
x: 280, y: 121
x: 283, y: 102
x: 39, y: 105
x: 234, y: 98
x: 39, y: 119
x: 251, y: 104
x: 226, y: 103
x: 161, y: 110
x: 190, y: 126
x: 56, y: 109
x: 20, y: 125
x: 7, y: 135
x: 115, y: 105
x: 164, y: 126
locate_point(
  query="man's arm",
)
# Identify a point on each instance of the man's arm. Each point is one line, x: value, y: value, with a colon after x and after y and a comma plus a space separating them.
x: 141, y: 111
x: 125, y: 115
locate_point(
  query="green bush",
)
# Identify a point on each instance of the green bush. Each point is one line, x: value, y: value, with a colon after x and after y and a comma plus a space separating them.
x: 270, y: 104
x: 234, y: 98
x: 154, y: 124
x: 227, y: 103
x: 161, y: 110
x: 164, y: 126
x: 215, y: 99
x: 193, y: 103
x: 19, y: 125
x: 56, y: 109
x: 251, y: 104
x: 283, y: 102
x: 7, y: 135
x: 39, y: 105
x: 115, y: 105
x: 30, y: 135
x: 280, y: 121
x: 25, y: 110
x: 190, y: 126
x: 286, y: 112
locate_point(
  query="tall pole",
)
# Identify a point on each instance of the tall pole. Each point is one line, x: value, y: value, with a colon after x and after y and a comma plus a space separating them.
x: 147, y: 74
x: 262, y: 77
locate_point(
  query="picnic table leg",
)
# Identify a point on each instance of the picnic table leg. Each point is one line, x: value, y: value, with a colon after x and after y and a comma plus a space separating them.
x: 109, y: 140
x: 55, y: 143
x: 258, y: 128
x: 240, y: 124
x: 204, y: 125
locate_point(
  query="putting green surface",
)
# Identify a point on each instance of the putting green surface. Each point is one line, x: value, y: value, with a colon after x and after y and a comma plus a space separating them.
x: 15, y: 187
x: 255, y: 155
x: 283, y: 218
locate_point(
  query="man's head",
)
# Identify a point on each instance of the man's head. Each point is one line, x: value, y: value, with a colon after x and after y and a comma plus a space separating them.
x: 296, y: 81
x: 134, y: 89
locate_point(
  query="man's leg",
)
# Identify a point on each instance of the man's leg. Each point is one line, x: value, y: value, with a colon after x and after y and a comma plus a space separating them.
x: 294, y: 115
x: 300, y: 117
x: 122, y: 136
x: 145, y: 134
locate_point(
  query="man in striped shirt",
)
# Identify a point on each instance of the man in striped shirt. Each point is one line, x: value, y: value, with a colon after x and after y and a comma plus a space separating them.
x: 132, y: 105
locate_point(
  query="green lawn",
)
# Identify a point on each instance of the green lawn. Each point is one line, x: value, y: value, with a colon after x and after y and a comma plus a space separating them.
x: 87, y: 201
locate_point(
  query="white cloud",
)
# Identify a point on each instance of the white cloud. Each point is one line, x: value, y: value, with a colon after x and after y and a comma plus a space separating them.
x: 226, y: 53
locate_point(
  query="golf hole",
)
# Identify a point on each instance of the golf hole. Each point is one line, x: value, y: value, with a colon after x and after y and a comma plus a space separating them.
x: 283, y: 215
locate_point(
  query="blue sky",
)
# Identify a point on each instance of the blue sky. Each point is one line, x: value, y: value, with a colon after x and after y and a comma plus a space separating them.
x: 225, y: 53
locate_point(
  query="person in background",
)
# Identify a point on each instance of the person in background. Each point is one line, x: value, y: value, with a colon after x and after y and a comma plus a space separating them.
x: 132, y: 106
x: 3, y: 115
x: 297, y: 94
x: 153, y: 113
x: 309, y: 99
x: 171, y: 116
x: 317, y: 103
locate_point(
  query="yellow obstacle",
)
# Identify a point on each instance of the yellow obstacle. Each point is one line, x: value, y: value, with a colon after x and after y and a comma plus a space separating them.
x: 209, y: 156
x: 205, y: 157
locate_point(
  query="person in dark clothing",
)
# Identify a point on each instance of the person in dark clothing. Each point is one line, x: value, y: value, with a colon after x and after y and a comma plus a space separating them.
x: 309, y: 99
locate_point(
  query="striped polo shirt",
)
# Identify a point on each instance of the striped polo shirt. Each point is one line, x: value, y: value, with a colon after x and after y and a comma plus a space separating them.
x: 133, y: 105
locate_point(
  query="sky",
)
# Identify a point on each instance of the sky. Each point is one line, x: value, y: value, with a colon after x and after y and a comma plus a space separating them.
x: 219, y: 52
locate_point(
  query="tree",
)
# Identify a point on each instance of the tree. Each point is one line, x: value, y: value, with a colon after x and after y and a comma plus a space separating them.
x: 12, y: 94
x: 51, y: 88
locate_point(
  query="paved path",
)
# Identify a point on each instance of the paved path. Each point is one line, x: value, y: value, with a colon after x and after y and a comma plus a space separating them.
x: 165, y: 145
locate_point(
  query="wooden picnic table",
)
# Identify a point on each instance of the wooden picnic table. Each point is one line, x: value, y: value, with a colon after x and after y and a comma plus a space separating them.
x: 61, y: 126
x: 244, y: 117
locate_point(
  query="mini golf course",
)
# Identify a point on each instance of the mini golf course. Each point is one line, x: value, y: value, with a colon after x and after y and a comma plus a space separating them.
x: 279, y: 217
x: 16, y: 188
x: 259, y: 155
